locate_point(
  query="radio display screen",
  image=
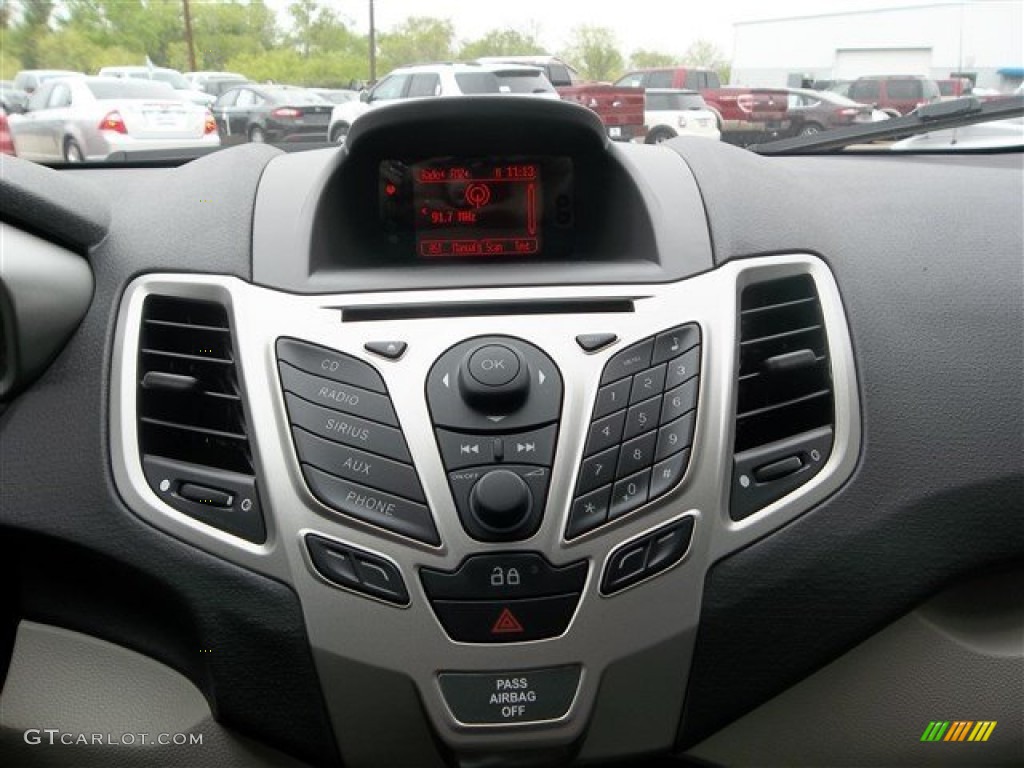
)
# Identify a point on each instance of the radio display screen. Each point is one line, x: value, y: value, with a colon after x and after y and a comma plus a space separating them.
x: 467, y: 208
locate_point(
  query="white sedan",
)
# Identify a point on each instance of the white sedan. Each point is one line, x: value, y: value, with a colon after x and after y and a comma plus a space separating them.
x: 87, y: 119
x: 672, y: 112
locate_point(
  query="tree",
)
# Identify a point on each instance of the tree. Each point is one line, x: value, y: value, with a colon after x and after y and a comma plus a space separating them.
x: 703, y: 53
x: 314, y: 25
x: 225, y: 30
x: 24, y: 39
x: 502, y: 42
x: 595, y: 51
x: 644, y: 59
x: 71, y: 48
x: 419, y: 39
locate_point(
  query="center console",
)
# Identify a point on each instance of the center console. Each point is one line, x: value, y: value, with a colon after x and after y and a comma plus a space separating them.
x: 497, y: 416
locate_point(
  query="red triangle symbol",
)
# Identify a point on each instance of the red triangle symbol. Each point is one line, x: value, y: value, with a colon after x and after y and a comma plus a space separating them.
x: 507, y: 623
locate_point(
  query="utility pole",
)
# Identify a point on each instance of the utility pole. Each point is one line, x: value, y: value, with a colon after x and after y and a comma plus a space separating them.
x: 373, y: 47
x: 188, y: 37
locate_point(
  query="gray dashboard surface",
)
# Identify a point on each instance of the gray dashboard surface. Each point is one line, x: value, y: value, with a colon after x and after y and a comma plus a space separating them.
x: 71, y: 553
x: 42, y: 200
x: 927, y: 252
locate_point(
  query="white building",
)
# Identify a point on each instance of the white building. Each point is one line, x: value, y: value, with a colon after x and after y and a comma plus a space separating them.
x: 981, y: 39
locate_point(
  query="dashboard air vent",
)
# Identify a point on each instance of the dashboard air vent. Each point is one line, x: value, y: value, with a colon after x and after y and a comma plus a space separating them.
x: 784, y: 406
x: 192, y: 428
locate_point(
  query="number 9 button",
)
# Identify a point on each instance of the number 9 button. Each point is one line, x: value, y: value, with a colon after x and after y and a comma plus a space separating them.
x: 640, y: 435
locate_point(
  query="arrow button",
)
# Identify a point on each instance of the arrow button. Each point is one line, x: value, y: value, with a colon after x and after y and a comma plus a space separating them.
x: 390, y: 350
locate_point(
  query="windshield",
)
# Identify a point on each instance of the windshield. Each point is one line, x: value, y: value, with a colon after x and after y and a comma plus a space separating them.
x: 173, y: 79
x: 767, y: 72
x: 675, y: 101
x: 130, y: 89
x: 522, y: 81
x: 295, y: 96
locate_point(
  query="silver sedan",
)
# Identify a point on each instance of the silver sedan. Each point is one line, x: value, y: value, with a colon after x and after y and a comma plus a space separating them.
x: 90, y: 118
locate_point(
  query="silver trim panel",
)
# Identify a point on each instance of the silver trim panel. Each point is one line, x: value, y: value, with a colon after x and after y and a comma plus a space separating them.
x: 659, y: 611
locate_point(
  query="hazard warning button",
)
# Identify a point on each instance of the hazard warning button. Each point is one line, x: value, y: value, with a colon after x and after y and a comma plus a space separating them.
x: 508, y: 621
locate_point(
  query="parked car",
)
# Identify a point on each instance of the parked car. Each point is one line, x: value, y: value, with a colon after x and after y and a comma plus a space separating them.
x: 895, y: 95
x: 836, y: 86
x: 673, y: 112
x: 841, y: 88
x: 336, y: 95
x: 214, y: 83
x: 13, y: 100
x: 955, y: 87
x: 621, y: 110
x: 998, y: 134
x: 430, y: 80
x: 6, y: 143
x: 745, y: 115
x: 172, y: 77
x: 88, y: 118
x: 821, y: 110
x: 28, y: 80
x: 271, y: 113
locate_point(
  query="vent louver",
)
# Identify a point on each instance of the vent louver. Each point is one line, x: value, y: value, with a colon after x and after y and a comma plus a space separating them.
x: 784, y: 406
x: 192, y: 428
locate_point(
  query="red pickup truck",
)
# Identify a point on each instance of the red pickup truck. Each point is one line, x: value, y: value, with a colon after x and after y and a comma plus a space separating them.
x: 620, y: 109
x: 745, y: 115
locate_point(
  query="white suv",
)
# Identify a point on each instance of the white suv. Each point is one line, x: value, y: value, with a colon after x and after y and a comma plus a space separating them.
x: 172, y: 77
x: 449, y: 79
x: 672, y: 112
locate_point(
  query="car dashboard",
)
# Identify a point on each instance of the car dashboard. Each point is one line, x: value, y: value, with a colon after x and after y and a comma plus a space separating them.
x: 483, y: 440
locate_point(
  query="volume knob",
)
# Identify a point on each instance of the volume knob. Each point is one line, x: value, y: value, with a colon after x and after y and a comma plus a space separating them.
x: 501, y: 501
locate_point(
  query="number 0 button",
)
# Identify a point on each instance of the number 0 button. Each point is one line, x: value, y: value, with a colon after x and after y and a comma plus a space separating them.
x: 629, y: 493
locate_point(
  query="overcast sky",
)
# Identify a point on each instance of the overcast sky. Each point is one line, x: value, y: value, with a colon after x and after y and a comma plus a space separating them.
x: 663, y: 25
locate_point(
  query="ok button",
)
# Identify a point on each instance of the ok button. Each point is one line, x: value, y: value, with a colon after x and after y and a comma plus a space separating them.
x: 494, y: 365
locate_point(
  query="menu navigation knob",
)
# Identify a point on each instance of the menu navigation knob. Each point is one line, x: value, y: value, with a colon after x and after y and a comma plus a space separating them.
x: 493, y: 378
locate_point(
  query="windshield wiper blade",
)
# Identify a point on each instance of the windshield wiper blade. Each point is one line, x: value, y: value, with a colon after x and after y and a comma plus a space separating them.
x: 932, y: 117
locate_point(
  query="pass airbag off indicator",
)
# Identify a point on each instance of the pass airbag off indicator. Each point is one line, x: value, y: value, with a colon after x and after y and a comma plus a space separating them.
x: 523, y: 696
